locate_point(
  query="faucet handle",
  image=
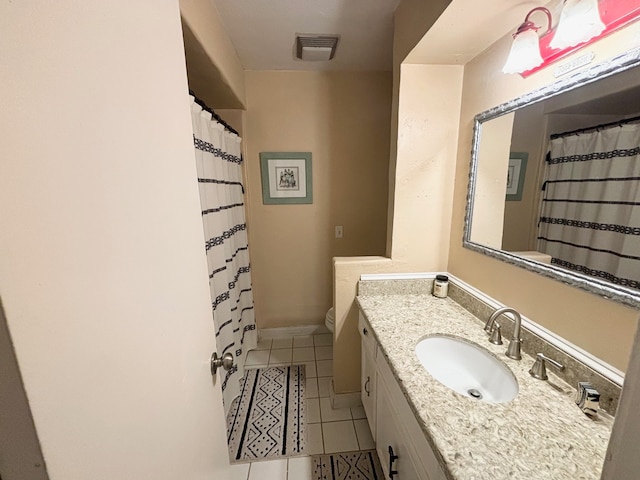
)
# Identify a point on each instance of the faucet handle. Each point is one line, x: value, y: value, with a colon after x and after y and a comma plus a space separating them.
x: 539, y: 370
x: 496, y: 335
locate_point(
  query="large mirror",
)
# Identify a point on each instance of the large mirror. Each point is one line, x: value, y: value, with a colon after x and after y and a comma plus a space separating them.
x: 555, y: 180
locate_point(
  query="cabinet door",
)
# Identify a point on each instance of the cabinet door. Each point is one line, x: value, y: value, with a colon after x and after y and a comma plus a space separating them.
x: 422, y: 455
x: 389, y: 434
x: 368, y: 387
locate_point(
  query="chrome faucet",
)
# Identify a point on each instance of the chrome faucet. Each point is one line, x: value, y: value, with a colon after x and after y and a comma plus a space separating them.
x: 513, y: 351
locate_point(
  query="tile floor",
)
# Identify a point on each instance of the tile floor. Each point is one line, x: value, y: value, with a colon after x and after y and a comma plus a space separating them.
x: 329, y: 430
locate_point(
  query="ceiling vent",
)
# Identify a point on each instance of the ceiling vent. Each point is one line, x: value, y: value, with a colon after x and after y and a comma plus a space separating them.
x: 316, y: 48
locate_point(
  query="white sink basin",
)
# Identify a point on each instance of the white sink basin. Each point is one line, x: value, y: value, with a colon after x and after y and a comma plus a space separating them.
x: 467, y: 369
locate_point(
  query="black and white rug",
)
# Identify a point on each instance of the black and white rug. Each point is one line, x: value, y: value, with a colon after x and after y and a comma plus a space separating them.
x: 363, y: 465
x: 268, y: 419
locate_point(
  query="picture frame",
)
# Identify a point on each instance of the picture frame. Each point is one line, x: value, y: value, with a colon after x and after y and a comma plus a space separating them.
x: 515, y: 175
x: 286, y: 178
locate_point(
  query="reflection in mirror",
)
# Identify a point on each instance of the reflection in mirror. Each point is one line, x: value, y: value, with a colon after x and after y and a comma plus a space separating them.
x: 571, y: 209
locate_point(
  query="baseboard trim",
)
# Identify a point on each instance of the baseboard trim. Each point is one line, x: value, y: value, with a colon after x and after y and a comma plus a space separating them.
x: 284, y: 332
x: 344, y: 400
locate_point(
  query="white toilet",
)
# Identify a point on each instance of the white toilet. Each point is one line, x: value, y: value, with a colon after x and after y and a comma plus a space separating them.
x: 329, y: 319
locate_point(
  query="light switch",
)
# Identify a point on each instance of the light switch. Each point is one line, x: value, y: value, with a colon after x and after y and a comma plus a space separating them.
x: 339, y: 231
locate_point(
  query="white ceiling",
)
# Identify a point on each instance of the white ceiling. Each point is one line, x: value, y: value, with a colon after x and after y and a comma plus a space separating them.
x: 263, y: 32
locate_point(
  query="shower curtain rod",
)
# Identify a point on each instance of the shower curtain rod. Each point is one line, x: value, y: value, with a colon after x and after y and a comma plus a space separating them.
x: 213, y: 114
x: 618, y: 123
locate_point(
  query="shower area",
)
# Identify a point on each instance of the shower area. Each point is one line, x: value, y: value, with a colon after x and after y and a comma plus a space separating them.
x: 218, y: 156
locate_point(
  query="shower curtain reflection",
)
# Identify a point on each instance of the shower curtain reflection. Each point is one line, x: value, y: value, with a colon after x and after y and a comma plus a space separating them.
x: 590, y: 214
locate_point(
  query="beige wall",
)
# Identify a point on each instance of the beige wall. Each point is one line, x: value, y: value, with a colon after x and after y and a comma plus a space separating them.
x: 214, y: 69
x: 233, y: 118
x: 424, y: 130
x: 599, y: 326
x: 102, y: 271
x: 412, y: 19
x: 428, y: 110
x: 346, y: 346
x: 429, y: 106
x: 343, y: 120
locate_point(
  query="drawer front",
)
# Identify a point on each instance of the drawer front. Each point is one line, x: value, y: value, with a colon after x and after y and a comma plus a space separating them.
x: 368, y: 342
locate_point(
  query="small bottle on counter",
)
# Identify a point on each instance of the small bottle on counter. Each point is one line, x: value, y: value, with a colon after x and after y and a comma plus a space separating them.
x: 441, y: 286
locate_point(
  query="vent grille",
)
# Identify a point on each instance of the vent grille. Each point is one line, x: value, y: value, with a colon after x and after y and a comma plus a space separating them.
x: 319, y: 43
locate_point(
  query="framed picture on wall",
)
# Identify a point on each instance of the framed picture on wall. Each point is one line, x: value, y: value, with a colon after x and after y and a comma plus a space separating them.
x: 515, y: 175
x: 286, y: 177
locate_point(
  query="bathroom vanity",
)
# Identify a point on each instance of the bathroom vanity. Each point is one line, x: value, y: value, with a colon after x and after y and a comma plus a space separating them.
x: 400, y: 443
x: 425, y: 430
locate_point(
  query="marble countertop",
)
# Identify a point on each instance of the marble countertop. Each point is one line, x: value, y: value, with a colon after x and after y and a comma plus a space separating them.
x: 541, y: 434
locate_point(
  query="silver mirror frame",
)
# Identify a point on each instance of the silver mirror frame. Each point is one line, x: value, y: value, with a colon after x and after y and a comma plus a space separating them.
x: 593, y: 285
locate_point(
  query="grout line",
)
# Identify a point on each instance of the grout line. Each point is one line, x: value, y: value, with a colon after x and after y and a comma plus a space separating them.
x: 334, y: 421
x: 353, y: 424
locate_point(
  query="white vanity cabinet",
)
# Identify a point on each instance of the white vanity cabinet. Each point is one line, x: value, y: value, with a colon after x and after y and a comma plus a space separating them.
x: 392, y: 421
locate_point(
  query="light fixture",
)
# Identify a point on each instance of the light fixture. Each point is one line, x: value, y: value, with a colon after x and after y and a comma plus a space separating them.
x: 580, y: 21
x: 525, y: 49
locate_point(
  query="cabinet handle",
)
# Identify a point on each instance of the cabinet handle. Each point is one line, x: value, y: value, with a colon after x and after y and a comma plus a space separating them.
x: 392, y: 458
x: 365, y: 331
x: 366, y: 386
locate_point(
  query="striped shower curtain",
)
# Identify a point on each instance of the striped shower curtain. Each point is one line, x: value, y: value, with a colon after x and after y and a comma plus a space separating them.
x: 590, y: 213
x: 218, y: 162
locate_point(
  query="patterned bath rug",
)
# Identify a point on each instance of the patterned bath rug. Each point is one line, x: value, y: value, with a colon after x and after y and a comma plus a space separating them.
x: 268, y: 419
x: 363, y: 465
